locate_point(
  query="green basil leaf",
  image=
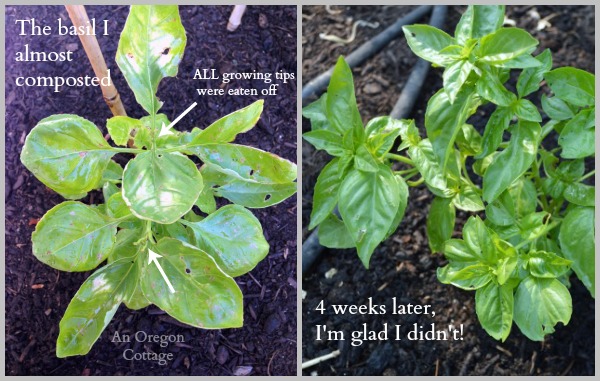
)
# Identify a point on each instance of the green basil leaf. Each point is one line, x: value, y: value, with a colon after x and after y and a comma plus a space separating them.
x: 326, y: 140
x: 226, y: 129
x: 73, y: 237
x: 468, y: 198
x: 67, y: 153
x: 93, y: 307
x: 325, y: 195
x: 480, y: 240
x: 511, y: 163
x: 525, y: 61
x: 427, y: 41
x: 403, y: 193
x: 530, y: 78
x: 532, y: 226
x: 316, y: 112
x: 113, y: 172
x: 505, y: 44
x: 506, y: 265
x: 577, y: 137
x: 429, y: 167
x: 539, y: 305
x: 490, y: 88
x: 206, y: 200
x: 382, y: 133
x: 494, y: 129
x: 233, y: 237
x: 143, y: 137
x: 444, y: 120
x: 553, y: 187
x: 150, y: 48
x: 468, y: 276
x: 543, y: 264
x: 440, y: 223
x: 334, y: 234
x: 468, y: 140
x: 570, y: 170
x: 455, y: 76
x: 161, y: 187
x: 576, y: 238
x: 526, y: 110
x: 478, y: 21
x: 120, y: 128
x: 524, y: 196
x: 364, y: 161
x: 247, y: 163
x: 342, y: 111
x: 457, y: 250
x: 368, y: 203
x: 501, y: 211
x: 556, y: 108
x: 244, y: 192
x: 572, y: 85
x: 494, y: 305
x: 580, y: 194
x: 116, y: 207
x: 108, y: 189
x: 204, y: 296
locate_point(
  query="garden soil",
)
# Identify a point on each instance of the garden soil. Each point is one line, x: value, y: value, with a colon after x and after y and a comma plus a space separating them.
x: 37, y: 295
x: 403, y: 266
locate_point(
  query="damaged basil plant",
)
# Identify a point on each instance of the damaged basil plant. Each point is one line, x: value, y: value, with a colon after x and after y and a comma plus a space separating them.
x: 148, y: 204
x: 533, y: 209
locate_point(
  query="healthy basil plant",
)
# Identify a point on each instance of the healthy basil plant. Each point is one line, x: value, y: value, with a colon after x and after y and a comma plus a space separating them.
x: 533, y: 213
x: 148, y: 204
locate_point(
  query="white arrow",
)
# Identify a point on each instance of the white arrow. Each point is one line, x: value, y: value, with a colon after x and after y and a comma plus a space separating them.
x: 165, y: 130
x: 153, y: 257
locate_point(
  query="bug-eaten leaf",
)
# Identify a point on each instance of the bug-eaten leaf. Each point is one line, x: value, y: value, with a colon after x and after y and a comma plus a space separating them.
x: 580, y: 194
x: 444, y: 120
x: 247, y: 163
x: 226, y: 129
x: 150, y: 48
x: 479, y: 21
x: 316, y: 112
x: 334, y: 234
x: 120, y: 128
x: 543, y: 264
x: 539, y: 305
x: 530, y: 78
x: 577, y: 137
x: 427, y: 42
x: 204, y: 297
x: 73, y: 237
x: 67, y: 153
x: 440, y: 223
x: 494, y: 306
x: 161, y: 186
x: 368, y: 202
x: 341, y: 108
x: 505, y: 44
x: 382, y: 133
x: 93, y: 307
x: 572, y: 85
x: 511, y: 163
x: 233, y: 237
x: 325, y: 194
x: 128, y: 248
x: 245, y: 192
x: 576, y: 238
x: 328, y: 141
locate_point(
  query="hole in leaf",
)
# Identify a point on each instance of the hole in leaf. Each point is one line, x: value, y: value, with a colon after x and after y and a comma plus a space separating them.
x: 414, y: 35
x: 159, y: 155
x: 251, y: 172
x: 166, y: 51
x: 267, y: 197
x: 188, y: 271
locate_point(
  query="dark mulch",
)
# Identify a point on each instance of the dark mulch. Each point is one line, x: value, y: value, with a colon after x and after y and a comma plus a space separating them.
x: 403, y: 266
x: 37, y: 295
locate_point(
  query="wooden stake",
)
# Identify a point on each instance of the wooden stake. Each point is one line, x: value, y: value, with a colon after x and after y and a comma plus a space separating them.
x: 236, y: 17
x: 80, y: 18
x: 317, y: 360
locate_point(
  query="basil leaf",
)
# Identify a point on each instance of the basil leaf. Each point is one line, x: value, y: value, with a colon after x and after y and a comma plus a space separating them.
x: 428, y: 165
x: 502, y: 210
x: 364, y: 161
x: 93, y: 307
x: 403, y: 193
x: 150, y: 48
x: 457, y: 250
x: 530, y: 78
x: 532, y: 226
x: 468, y: 276
x: 468, y: 198
x: 511, y: 163
x: 342, y: 111
x: 334, y: 234
x: 67, y: 153
x: 455, y: 76
x: 576, y: 238
x: 427, y: 42
x: 73, y: 237
x: 478, y: 21
x: 368, y: 202
x: 577, y: 137
x: 468, y: 140
x: 204, y: 296
x: 326, y: 140
x: 108, y: 189
x: 556, y: 108
x: 480, y: 240
x: 526, y: 110
x: 316, y: 112
x: 524, y: 196
x: 494, y: 129
x: 161, y: 187
x: 539, y: 305
x: 226, y: 129
x: 382, y: 133
x: 490, y: 88
x: 580, y: 194
x: 325, y: 195
x: 494, y: 306
x: 116, y: 207
x: 206, y: 200
x: 543, y: 264
x: 572, y: 85
x: 440, y: 223
x: 120, y: 128
x: 504, y: 45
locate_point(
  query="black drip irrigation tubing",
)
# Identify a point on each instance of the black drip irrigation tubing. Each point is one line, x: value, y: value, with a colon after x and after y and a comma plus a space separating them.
x: 311, y: 249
